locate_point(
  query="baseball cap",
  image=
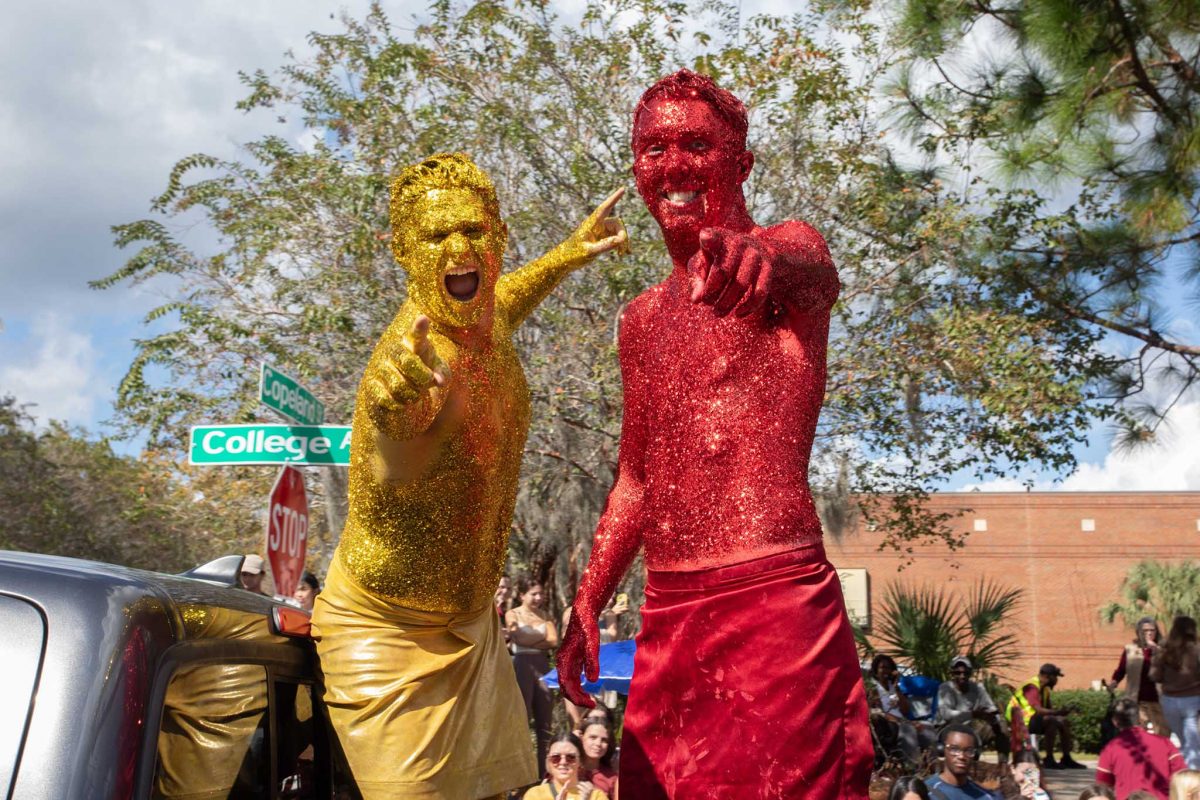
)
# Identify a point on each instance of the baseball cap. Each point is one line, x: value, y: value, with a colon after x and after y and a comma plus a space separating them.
x: 253, y: 564
x: 1050, y: 669
x: 961, y: 661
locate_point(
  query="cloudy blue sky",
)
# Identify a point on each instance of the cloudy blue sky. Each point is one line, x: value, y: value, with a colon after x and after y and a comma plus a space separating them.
x: 98, y: 100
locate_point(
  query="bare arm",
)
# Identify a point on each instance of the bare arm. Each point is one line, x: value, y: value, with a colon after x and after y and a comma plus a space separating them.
x: 618, y: 534
x: 519, y: 292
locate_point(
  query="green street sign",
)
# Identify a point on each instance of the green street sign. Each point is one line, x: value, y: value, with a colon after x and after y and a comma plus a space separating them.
x: 324, y: 445
x: 285, y: 394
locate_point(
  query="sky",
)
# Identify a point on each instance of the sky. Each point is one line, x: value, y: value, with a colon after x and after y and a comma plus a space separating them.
x: 99, y: 100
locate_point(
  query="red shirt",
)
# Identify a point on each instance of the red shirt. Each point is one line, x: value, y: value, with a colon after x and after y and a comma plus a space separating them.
x: 1137, y: 759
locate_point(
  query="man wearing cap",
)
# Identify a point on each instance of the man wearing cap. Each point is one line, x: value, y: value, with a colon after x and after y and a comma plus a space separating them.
x: 252, y: 573
x: 962, y: 701
x: 1031, y: 711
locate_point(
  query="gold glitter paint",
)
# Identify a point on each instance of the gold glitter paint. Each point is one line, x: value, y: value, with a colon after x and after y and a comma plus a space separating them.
x: 442, y: 411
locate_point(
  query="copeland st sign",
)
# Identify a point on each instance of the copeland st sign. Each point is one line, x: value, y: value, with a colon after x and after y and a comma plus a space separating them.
x: 285, y: 394
x: 319, y: 445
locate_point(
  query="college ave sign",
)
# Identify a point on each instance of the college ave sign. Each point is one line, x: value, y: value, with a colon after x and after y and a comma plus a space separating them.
x: 322, y: 445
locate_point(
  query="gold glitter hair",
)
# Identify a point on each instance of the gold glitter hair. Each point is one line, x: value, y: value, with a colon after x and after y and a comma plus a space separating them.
x: 439, y: 171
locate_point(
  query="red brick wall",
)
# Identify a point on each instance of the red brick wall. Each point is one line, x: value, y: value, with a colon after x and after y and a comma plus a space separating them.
x: 1034, y: 541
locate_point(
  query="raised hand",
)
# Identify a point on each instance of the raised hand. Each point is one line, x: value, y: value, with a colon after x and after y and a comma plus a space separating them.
x: 733, y: 271
x: 402, y: 375
x: 580, y: 652
x: 601, y: 231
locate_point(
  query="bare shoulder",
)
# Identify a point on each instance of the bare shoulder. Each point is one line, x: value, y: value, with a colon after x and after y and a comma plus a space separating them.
x: 798, y: 235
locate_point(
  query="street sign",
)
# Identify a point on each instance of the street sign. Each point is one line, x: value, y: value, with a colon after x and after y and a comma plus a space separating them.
x: 285, y: 394
x: 324, y: 445
x: 287, y: 530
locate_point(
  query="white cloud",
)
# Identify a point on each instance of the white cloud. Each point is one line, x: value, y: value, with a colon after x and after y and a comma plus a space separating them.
x: 60, y: 378
x: 1170, y: 464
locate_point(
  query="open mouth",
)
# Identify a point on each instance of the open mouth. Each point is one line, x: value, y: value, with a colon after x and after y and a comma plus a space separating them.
x: 681, y: 199
x: 462, y: 283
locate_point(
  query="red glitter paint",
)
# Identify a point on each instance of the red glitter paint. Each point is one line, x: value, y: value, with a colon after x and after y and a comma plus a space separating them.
x: 724, y: 373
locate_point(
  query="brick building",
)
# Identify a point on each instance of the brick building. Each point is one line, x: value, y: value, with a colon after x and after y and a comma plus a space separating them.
x: 1069, y: 551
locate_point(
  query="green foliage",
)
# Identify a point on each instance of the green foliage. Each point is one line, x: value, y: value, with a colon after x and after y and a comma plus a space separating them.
x: 927, y: 626
x: 64, y: 493
x: 1159, y: 590
x: 1071, y: 128
x: 936, y: 367
x: 1085, y: 723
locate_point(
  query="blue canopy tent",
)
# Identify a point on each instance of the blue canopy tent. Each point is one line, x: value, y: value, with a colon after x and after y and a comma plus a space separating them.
x: 616, y: 669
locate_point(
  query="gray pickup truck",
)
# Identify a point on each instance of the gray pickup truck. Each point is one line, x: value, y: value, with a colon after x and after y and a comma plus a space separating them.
x: 120, y: 683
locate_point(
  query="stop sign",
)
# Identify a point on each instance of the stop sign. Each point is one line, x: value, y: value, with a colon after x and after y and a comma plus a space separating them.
x: 287, y: 530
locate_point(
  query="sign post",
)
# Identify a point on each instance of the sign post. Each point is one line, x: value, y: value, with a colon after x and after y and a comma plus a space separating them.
x: 287, y: 530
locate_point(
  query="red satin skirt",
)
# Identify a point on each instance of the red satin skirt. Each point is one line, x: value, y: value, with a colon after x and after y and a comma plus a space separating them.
x: 746, y: 685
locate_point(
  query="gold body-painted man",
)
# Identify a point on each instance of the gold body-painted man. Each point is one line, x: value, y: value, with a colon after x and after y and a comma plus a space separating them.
x: 418, y: 683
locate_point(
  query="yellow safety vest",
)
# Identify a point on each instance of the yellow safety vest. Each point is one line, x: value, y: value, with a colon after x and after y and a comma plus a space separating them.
x: 1019, y: 700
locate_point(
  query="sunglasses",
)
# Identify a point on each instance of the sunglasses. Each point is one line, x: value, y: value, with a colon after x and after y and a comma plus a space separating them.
x: 565, y: 758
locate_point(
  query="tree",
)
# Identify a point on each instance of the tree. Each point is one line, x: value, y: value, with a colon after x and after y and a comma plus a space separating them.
x: 1071, y: 128
x: 925, y: 627
x: 63, y: 492
x: 931, y: 373
x: 1159, y: 590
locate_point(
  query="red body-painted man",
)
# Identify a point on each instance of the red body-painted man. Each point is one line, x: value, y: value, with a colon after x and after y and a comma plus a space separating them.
x: 746, y: 681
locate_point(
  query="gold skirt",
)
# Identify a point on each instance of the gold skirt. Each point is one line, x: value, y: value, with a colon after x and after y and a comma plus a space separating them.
x: 425, y: 704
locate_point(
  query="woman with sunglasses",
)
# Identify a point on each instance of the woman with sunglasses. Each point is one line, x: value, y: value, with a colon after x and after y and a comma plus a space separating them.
x: 562, y: 765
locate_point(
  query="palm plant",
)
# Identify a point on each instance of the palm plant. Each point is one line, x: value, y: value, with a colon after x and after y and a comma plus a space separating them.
x: 1155, y: 589
x: 927, y: 626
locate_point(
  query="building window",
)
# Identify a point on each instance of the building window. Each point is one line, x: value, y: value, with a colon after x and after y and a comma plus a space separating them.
x: 1087, y: 525
x: 980, y: 525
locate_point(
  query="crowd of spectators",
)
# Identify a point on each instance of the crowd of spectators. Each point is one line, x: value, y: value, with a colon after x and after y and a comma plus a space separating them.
x: 941, y: 740
x: 1151, y: 753
x: 579, y: 763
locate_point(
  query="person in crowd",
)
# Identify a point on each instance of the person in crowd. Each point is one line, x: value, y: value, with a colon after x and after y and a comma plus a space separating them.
x: 600, y: 713
x: 253, y: 572
x: 1185, y: 785
x: 963, y: 701
x: 610, y: 619
x: 1141, y: 794
x: 1097, y: 791
x: 960, y: 749
x: 889, y: 708
x: 1031, y: 712
x: 1176, y: 667
x: 1135, y: 758
x: 503, y: 596
x: 596, y: 763
x: 307, y: 590
x: 562, y: 765
x: 1023, y: 781
x: 1134, y: 669
x: 909, y: 787
x: 532, y: 635
x: 723, y: 371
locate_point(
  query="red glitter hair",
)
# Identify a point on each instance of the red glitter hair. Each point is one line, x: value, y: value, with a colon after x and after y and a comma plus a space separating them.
x: 688, y: 85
